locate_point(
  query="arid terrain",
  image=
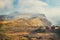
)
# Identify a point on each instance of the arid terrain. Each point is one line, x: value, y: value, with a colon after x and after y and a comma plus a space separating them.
x: 36, y: 28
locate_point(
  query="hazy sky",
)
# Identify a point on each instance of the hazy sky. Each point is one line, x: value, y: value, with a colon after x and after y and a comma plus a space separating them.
x: 51, y: 8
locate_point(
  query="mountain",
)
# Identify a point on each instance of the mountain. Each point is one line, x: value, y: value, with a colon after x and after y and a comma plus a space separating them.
x: 24, y: 22
x: 31, y: 19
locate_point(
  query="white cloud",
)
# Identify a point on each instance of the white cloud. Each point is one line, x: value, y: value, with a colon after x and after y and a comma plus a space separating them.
x: 32, y: 6
x: 26, y: 6
x: 53, y: 12
x: 2, y: 3
x: 6, y: 3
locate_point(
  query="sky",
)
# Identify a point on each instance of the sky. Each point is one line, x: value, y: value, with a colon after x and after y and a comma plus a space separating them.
x: 51, y: 8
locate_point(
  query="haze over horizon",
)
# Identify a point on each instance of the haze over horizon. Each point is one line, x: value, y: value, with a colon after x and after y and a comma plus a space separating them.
x: 51, y: 8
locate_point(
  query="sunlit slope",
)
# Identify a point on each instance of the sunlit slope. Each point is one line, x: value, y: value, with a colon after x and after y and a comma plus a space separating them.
x: 24, y: 22
x: 36, y: 21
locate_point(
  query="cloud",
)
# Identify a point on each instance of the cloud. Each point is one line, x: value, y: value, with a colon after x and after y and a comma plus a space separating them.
x: 6, y: 4
x: 26, y: 6
x: 2, y: 3
x: 53, y: 11
x: 32, y: 6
